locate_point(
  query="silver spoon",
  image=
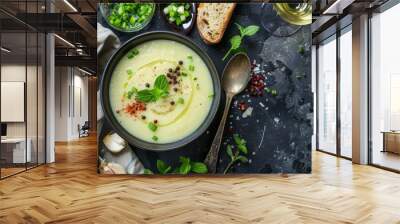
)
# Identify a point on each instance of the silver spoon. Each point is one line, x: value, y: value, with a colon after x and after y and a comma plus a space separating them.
x: 235, y: 77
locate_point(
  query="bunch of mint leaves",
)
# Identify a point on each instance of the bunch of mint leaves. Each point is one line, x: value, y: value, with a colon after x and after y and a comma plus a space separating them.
x: 236, y: 40
x: 239, y: 154
x: 160, y: 89
x: 186, y: 166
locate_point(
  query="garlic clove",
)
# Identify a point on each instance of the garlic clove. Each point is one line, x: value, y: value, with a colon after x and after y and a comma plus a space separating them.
x: 112, y: 168
x: 114, y: 143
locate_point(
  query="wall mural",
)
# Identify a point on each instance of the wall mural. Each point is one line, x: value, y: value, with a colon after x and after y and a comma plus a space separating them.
x: 169, y: 71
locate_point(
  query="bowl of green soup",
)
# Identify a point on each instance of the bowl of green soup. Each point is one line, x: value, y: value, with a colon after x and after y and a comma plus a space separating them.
x: 160, y: 91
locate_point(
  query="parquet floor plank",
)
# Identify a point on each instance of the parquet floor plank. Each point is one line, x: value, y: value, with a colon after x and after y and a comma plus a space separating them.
x: 70, y: 191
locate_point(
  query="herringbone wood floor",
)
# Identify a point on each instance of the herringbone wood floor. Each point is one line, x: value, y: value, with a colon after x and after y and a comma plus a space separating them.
x: 70, y: 191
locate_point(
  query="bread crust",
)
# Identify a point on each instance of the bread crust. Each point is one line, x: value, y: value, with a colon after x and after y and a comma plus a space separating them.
x: 225, y: 24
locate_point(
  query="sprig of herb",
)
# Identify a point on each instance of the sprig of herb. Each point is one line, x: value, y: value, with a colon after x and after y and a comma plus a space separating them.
x: 186, y: 166
x: 236, y: 156
x: 241, y: 143
x: 162, y: 167
x: 236, y: 40
x: 159, y: 90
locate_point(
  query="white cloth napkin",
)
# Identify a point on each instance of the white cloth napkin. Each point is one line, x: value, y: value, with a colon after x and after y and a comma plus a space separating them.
x: 107, y: 43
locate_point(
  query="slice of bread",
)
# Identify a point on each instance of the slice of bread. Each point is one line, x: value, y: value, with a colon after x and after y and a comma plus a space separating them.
x: 212, y: 20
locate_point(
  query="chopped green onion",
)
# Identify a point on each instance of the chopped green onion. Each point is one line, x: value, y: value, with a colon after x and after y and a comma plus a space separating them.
x: 133, y: 53
x: 152, y: 127
x: 131, y: 92
x: 128, y: 16
x: 177, y: 13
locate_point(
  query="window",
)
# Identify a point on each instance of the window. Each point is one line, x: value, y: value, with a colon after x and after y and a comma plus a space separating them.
x: 346, y: 93
x: 385, y: 89
x: 327, y: 96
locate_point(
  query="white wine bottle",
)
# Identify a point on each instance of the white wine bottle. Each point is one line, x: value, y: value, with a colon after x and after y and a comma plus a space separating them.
x: 295, y: 13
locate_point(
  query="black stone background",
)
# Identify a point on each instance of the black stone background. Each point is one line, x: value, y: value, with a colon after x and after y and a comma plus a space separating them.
x: 278, y: 139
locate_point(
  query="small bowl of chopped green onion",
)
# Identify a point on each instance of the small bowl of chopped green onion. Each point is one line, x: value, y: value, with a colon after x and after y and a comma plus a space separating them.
x: 127, y: 17
x: 181, y: 16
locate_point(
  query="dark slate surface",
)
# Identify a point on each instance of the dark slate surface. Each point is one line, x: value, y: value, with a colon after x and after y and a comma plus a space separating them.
x: 279, y: 134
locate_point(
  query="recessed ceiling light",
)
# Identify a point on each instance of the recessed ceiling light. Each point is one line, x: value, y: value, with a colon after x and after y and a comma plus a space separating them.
x: 70, y: 5
x: 84, y: 71
x: 64, y: 40
x: 5, y: 50
x: 337, y: 7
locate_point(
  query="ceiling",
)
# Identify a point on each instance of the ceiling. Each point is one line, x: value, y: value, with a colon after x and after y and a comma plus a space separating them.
x: 74, y: 22
x: 332, y: 15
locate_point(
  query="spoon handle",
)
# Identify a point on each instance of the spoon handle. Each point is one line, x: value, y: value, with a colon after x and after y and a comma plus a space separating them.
x: 212, y: 156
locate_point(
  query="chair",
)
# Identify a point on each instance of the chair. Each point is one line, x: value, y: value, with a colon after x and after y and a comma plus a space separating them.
x: 84, y: 130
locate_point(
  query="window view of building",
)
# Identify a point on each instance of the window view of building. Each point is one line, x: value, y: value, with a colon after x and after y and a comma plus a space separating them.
x: 346, y: 92
x: 327, y: 96
x: 385, y: 89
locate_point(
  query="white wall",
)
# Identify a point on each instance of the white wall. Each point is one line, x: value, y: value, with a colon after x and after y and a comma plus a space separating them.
x: 33, y: 127
x: 71, y: 102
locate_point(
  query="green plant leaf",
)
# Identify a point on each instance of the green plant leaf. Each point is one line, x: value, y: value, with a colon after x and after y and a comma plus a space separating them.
x: 148, y: 171
x: 161, y: 83
x: 250, y: 30
x: 235, y: 42
x: 145, y: 96
x: 183, y: 159
x: 242, y: 159
x: 167, y: 170
x: 198, y: 167
x: 237, y: 139
x: 243, y: 148
x: 162, y: 167
x: 240, y: 28
x: 184, y: 168
x: 185, y: 165
x: 241, y: 143
x: 157, y: 93
x: 229, y: 152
